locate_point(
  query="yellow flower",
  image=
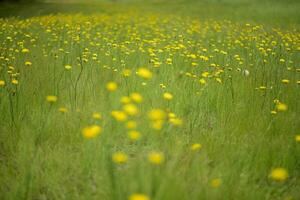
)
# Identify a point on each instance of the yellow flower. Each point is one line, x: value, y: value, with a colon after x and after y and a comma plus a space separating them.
x: 2, y: 83
x: 219, y: 80
x: 285, y: 81
x: 168, y: 96
x: 215, y: 182
x: 136, y: 97
x: 68, y: 67
x: 97, y: 115
x: 28, y: 63
x: 119, y: 158
x: 175, y: 121
x: 63, y: 110
x: 138, y: 196
x: 15, y: 81
x: 51, y: 98
x: 273, y: 112
x: 25, y: 50
x: 279, y: 174
x: 156, y: 114
x: 131, y: 124
x: 202, y: 81
x: 281, y: 107
x: 297, y: 138
x: 111, y: 86
x: 157, y: 124
x: 262, y: 87
x: 156, y: 158
x: 130, y: 109
x: 144, y: 73
x: 91, y: 131
x: 125, y: 100
x: 196, y: 147
x: 119, y: 115
x: 134, y: 135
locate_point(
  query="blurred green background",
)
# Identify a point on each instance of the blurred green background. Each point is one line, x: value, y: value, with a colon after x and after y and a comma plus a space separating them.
x: 275, y: 12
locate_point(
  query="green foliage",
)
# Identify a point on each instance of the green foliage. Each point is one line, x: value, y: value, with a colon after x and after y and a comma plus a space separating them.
x: 226, y: 66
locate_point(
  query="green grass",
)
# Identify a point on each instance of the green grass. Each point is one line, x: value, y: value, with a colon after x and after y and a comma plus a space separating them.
x: 43, y: 154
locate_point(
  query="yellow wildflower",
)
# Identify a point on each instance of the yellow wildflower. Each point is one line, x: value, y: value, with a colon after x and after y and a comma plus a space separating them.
x: 28, y: 63
x: 156, y: 114
x: 134, y: 135
x: 97, y: 115
x: 136, y: 97
x: 119, y: 157
x: 138, y: 196
x: 279, y: 174
x: 63, y: 110
x: 131, y: 109
x: 91, y: 131
x: 68, y: 67
x: 15, y: 81
x: 281, y: 107
x: 156, y: 158
x: 144, y: 73
x: 111, y: 86
x: 51, y: 98
x: 119, y: 115
x: 131, y: 124
x: 215, y: 182
x: 2, y: 83
x: 202, y: 81
x: 196, y: 147
x: 297, y: 138
x: 168, y: 96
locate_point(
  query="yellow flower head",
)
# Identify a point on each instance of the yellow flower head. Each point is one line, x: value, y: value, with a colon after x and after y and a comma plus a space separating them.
x: 202, y: 81
x: 297, y: 138
x: 111, y: 86
x: 119, y: 158
x: 144, y: 73
x: 68, y: 67
x: 281, y: 107
x: 2, y: 83
x: 138, y: 196
x: 91, y: 131
x: 119, y: 115
x: 97, y: 116
x: 136, y: 97
x: 156, y: 158
x: 175, y: 121
x: 63, y: 110
x: 131, y: 109
x: 279, y: 174
x: 131, y: 124
x: 51, y: 98
x: 196, y: 147
x: 157, y: 124
x: 125, y: 100
x: 215, y: 182
x: 15, y: 81
x: 25, y: 50
x: 157, y: 114
x: 168, y: 96
x: 134, y: 135
x: 28, y: 63
x: 285, y: 81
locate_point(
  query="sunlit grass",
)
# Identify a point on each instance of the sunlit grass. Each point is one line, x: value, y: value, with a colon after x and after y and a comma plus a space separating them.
x: 153, y: 105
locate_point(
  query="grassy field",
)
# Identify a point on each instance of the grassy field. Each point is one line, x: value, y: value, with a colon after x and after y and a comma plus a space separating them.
x: 153, y: 100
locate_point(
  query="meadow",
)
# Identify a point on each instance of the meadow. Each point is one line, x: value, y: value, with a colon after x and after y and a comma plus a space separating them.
x: 152, y: 100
